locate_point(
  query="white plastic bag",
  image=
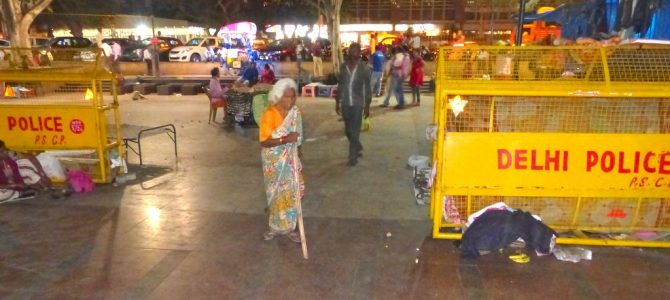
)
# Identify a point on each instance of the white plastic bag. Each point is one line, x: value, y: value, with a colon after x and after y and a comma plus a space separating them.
x: 572, y: 254
x: 52, y: 167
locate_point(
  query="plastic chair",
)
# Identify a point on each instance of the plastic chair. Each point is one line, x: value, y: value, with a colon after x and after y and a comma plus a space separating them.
x: 308, y: 91
x: 213, y: 107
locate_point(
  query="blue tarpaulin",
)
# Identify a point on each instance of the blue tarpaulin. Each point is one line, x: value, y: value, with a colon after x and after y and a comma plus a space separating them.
x: 589, y: 18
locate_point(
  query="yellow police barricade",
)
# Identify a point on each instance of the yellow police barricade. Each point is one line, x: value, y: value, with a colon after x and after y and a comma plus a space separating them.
x: 577, y: 135
x: 62, y: 100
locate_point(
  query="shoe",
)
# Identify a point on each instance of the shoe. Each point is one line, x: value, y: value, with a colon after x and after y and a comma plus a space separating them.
x: 399, y: 106
x: 384, y: 105
x: 360, y: 153
x: 352, y: 162
x: 294, y: 237
x: 268, y: 235
x: 28, y: 194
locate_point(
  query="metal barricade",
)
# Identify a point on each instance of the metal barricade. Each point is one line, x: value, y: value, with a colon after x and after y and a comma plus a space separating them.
x: 62, y: 100
x: 577, y: 135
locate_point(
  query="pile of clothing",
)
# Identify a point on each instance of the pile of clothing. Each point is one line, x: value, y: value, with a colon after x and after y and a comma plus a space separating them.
x: 498, y: 226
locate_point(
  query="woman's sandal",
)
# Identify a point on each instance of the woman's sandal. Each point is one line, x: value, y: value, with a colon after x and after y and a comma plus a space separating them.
x: 293, y: 236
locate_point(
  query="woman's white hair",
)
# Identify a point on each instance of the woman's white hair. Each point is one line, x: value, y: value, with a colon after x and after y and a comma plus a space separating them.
x: 278, y: 89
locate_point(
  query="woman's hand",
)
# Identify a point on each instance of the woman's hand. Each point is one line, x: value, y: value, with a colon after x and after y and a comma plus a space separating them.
x: 291, y: 137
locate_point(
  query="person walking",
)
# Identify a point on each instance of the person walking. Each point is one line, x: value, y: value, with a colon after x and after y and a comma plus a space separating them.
x: 378, y: 60
x: 280, y: 134
x: 116, y: 57
x: 98, y: 37
x: 416, y: 77
x: 354, y: 95
x: 106, y: 52
x: 146, y: 55
x: 316, y: 52
x: 399, y: 67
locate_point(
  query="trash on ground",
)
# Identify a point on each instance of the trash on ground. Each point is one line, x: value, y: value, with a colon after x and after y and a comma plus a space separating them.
x: 520, y: 258
x: 572, y: 254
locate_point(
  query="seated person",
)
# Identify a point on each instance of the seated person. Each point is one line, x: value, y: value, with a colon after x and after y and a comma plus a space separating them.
x: 267, y: 76
x: 216, y: 92
x: 250, y: 75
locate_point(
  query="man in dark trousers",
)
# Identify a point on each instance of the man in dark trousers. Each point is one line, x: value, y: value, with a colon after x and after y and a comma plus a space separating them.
x: 353, y: 99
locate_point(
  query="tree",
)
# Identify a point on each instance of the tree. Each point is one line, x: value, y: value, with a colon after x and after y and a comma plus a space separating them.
x: 332, y: 10
x: 73, y: 14
x: 17, y: 16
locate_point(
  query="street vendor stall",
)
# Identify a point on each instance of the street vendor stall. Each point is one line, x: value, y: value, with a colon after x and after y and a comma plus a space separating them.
x: 64, y: 107
x: 583, y: 145
x: 247, y: 104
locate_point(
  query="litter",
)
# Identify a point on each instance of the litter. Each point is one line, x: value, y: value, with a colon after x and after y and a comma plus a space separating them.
x: 521, y: 258
x: 572, y: 254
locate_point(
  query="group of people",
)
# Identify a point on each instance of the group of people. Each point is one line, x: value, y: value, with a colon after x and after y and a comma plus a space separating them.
x: 402, y: 65
x: 280, y: 128
x: 111, y: 53
x: 250, y: 76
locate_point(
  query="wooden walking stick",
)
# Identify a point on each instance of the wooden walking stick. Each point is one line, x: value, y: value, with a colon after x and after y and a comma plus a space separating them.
x: 301, y: 225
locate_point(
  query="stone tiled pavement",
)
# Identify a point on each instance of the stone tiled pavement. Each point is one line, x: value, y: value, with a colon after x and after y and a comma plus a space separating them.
x: 192, y: 230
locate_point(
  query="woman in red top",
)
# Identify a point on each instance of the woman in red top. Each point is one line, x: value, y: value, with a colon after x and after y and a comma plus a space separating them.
x: 267, y: 76
x: 416, y: 77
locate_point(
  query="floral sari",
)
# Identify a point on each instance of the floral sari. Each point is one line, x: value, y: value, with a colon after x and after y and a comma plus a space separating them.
x: 282, y: 171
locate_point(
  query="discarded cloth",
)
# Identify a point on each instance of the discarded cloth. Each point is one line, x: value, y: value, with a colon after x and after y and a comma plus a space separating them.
x: 496, y: 229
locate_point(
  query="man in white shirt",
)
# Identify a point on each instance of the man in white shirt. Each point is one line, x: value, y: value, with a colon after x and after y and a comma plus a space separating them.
x: 116, y: 56
x: 106, y: 54
x: 416, y: 41
x: 147, y: 56
x: 99, y: 37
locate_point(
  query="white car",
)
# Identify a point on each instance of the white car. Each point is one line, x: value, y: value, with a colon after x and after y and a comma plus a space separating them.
x: 196, y: 50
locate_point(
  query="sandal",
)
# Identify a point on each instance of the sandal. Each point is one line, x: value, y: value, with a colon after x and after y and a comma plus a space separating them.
x: 293, y: 236
x: 268, y: 235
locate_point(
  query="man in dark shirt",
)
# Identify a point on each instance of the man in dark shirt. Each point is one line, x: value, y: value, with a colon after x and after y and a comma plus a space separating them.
x: 353, y: 99
x: 250, y: 75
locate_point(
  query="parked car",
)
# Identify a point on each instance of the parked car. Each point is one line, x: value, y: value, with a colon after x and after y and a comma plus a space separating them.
x: 281, y: 50
x: 123, y: 42
x: 134, y: 51
x: 34, y: 43
x: 196, y: 49
x: 40, y: 42
x: 72, y: 48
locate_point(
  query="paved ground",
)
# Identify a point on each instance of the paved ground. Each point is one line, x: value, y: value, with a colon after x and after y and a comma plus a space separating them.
x: 192, y: 230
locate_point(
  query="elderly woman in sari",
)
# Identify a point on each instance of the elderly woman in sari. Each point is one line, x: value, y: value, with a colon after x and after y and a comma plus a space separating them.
x: 280, y: 134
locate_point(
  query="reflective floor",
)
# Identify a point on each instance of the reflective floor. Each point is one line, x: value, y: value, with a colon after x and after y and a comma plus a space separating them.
x: 193, y: 230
